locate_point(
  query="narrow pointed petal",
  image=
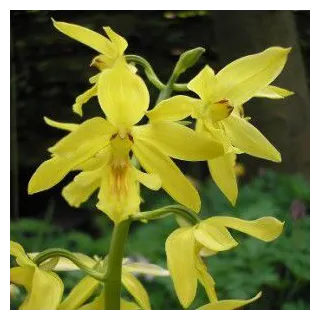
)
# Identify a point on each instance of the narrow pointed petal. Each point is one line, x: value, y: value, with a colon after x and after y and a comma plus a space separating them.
x: 223, y: 174
x: 96, y: 304
x: 151, y: 181
x: 146, y: 269
x: 86, y: 133
x: 205, y: 85
x: 214, y: 237
x: 61, y: 125
x: 180, y: 250
x: 244, y: 77
x: 173, y: 180
x: 249, y: 139
x: 206, y: 280
x: 82, y: 187
x: 178, y: 141
x: 17, y: 251
x: 120, y: 42
x: 22, y: 276
x: 86, y: 36
x: 273, y: 92
x: 229, y: 304
x: 123, y: 95
x: 80, y: 293
x: 136, y: 289
x: 266, y: 229
x: 84, y: 98
x: 174, y: 109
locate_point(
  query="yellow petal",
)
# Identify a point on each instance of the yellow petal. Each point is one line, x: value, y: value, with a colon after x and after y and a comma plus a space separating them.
x: 120, y: 42
x: 61, y: 125
x: 273, y: 92
x: 173, y: 180
x: 174, y: 109
x: 146, y: 269
x: 128, y: 305
x: 96, y: 304
x: 65, y: 264
x: 206, y: 280
x: 119, y: 196
x: 219, y: 110
x: 123, y: 95
x: 17, y: 251
x: 228, y: 304
x: 205, y: 85
x: 223, y: 174
x: 151, y: 181
x: 82, y: 187
x: 266, y: 228
x: 80, y: 293
x: 136, y: 289
x: 83, y: 98
x: 180, y: 250
x: 214, y: 237
x: 86, y: 36
x: 244, y: 77
x: 249, y: 139
x: 33, y: 279
x: 86, y: 133
x: 178, y: 141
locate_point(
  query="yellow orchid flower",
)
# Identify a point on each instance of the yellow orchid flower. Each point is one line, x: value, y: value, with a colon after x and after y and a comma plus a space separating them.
x: 88, y: 285
x: 110, y: 50
x: 184, y: 246
x: 218, y: 111
x: 101, y: 150
x: 44, y: 287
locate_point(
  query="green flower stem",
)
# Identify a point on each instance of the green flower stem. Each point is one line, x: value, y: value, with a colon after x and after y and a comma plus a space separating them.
x: 112, y: 283
x: 165, y: 93
x: 57, y: 252
x: 181, y: 211
x: 151, y: 75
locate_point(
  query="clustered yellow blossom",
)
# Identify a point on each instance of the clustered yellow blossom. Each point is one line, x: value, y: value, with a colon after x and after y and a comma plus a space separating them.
x: 116, y: 153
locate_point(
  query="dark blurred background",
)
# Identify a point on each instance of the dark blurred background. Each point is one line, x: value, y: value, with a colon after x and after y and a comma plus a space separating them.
x: 48, y: 70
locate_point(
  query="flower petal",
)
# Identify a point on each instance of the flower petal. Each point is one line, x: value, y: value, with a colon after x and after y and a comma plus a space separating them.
x: 214, y: 237
x: 146, y: 269
x: 205, y: 85
x: 180, y: 250
x: 174, y: 109
x: 242, y: 78
x: 83, y: 98
x: 136, y: 289
x: 123, y: 95
x: 206, y: 280
x: 22, y: 276
x: 223, y: 173
x: 173, y: 180
x: 273, y: 92
x: 228, y: 304
x: 61, y: 125
x: 120, y: 42
x: 46, y: 291
x: 80, y: 293
x: 265, y: 228
x: 118, y: 197
x: 150, y: 180
x: 249, y: 139
x: 86, y: 36
x: 82, y: 187
x: 178, y: 141
x: 17, y: 251
x: 86, y: 133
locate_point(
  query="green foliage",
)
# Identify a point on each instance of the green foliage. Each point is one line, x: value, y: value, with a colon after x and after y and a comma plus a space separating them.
x: 281, y: 269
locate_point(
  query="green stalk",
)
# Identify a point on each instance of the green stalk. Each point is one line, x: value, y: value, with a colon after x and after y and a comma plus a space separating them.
x: 112, y: 282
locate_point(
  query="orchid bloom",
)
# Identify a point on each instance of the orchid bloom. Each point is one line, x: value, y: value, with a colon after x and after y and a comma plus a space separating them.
x: 44, y: 287
x: 110, y: 51
x: 101, y: 149
x: 218, y: 111
x: 185, y: 245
